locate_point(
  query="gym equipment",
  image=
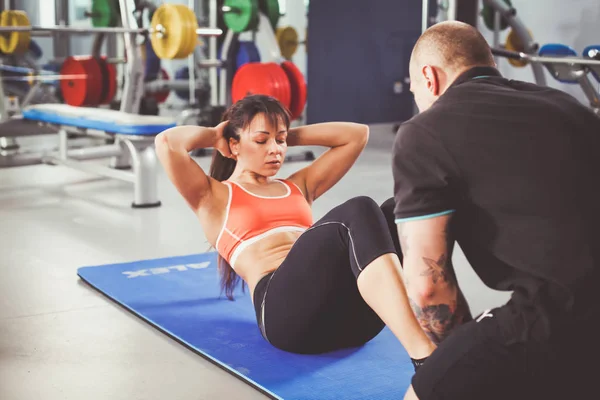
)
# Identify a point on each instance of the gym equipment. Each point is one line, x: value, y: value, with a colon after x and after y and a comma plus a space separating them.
x: 513, y: 43
x: 271, y: 9
x: 241, y: 15
x: 298, y: 88
x: 133, y: 137
x: 287, y: 39
x: 173, y: 32
x: 35, y: 50
x: 16, y: 42
x: 561, y: 72
x: 87, y: 81
x: 152, y: 62
x: 593, y: 53
x: 487, y: 12
x: 180, y: 296
x: 105, y: 13
x: 247, y: 53
x: 563, y: 68
x: 161, y: 96
x: 521, y: 37
x: 284, y: 82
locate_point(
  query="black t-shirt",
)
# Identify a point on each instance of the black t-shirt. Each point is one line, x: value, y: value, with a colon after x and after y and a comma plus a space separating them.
x: 516, y: 164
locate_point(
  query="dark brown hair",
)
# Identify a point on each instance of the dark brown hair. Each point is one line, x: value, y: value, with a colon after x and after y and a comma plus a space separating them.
x: 240, y: 115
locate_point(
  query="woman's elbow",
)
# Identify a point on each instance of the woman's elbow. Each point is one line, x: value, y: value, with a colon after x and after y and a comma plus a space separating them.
x: 362, y: 134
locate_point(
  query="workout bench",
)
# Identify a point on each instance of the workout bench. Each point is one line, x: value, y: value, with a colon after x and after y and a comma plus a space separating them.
x: 133, y: 144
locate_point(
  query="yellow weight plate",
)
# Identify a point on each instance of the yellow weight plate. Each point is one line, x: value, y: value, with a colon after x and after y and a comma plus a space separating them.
x: 513, y: 43
x: 287, y: 39
x: 14, y: 42
x: 173, y: 42
x: 192, y: 25
x: 184, y: 26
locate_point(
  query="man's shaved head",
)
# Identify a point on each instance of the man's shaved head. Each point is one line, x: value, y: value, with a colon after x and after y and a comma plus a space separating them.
x: 443, y: 52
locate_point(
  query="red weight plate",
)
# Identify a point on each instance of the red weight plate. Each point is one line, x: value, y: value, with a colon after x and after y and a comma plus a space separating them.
x: 298, y: 88
x: 282, y: 84
x: 110, y: 81
x: 277, y: 86
x: 81, y: 84
x: 161, y: 97
x: 252, y: 78
x: 104, y: 74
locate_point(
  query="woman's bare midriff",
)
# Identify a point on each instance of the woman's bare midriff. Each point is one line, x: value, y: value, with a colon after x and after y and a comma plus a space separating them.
x: 264, y: 256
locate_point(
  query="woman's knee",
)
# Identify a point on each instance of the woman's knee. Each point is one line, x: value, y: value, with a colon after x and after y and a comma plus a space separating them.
x: 362, y: 205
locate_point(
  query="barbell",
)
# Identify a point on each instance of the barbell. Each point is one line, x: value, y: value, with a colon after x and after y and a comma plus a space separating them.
x: 173, y: 33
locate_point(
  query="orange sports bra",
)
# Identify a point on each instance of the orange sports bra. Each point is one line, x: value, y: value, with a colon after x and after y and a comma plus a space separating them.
x: 250, y: 217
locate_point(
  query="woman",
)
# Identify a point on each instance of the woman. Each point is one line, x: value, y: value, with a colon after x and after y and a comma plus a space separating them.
x: 316, y: 287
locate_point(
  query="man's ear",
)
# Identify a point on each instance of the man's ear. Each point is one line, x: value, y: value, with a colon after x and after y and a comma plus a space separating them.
x: 432, y: 79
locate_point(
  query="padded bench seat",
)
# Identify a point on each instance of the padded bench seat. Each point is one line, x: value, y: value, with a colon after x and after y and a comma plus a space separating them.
x: 110, y: 121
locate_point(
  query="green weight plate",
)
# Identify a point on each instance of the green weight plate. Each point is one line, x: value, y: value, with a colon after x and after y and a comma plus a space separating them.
x: 243, y: 15
x: 271, y: 9
x: 488, y: 17
x: 104, y: 13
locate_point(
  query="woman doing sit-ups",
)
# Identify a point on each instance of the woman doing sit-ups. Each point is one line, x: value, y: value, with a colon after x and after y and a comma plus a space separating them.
x: 316, y: 287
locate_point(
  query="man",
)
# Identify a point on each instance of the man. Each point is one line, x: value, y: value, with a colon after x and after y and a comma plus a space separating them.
x: 507, y: 170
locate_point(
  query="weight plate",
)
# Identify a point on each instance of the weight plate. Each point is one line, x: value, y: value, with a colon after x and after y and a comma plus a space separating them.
x: 104, y: 13
x: 14, y: 42
x: 283, y: 84
x: 161, y: 97
x: 271, y: 9
x: 174, y: 44
x: 82, y: 81
x: 287, y: 39
x: 109, y: 77
x: 487, y: 13
x: 513, y: 43
x: 243, y: 15
x: 298, y: 88
x: 251, y: 79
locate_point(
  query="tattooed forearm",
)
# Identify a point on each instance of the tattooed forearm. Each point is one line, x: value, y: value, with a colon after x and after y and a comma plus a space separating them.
x: 436, y: 269
x: 438, y: 320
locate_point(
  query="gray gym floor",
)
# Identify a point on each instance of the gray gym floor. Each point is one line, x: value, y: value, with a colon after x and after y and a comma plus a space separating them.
x: 60, y: 339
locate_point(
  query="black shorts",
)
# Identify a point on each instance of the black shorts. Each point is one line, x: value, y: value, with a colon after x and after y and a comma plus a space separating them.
x: 488, y: 358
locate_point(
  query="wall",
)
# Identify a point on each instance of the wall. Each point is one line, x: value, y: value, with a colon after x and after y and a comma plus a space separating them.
x: 358, y: 59
x: 574, y: 23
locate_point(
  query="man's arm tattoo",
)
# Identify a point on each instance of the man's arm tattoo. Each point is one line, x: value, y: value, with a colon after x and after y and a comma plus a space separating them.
x: 436, y: 269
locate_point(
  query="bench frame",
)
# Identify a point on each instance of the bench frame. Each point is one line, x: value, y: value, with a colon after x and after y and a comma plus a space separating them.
x: 127, y: 152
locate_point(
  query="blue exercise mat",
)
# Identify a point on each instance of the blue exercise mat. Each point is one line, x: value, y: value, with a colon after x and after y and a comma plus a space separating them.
x: 181, y: 297
x: 110, y: 121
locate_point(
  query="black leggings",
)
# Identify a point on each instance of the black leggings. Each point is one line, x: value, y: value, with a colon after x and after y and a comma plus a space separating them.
x: 311, y: 303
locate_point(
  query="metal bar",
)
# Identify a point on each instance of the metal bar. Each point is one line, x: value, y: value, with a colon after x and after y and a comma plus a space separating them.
x: 209, y: 63
x: 96, y: 152
x: 92, y: 168
x: 425, y: 15
x: 572, y: 61
x: 63, y: 144
x: 49, y: 30
x: 177, y: 84
x: 223, y: 83
x: 589, y: 90
x: 212, y: 53
x: 191, y: 61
